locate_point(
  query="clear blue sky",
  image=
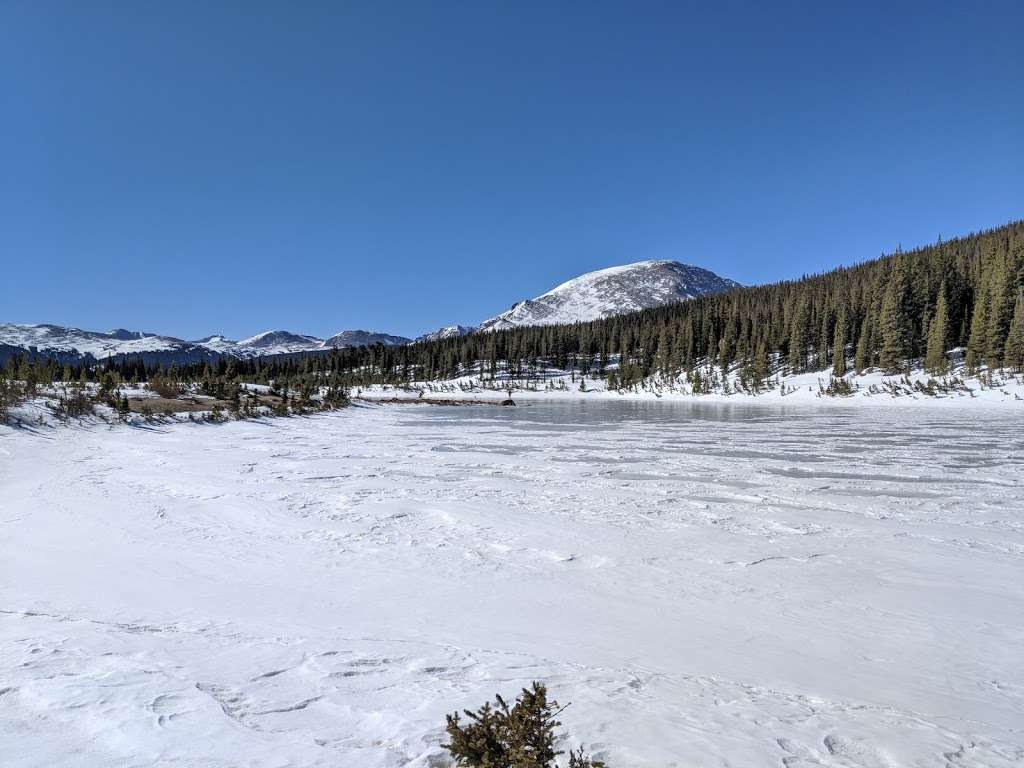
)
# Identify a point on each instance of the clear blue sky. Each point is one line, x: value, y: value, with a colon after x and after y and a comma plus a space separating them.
x: 190, y: 168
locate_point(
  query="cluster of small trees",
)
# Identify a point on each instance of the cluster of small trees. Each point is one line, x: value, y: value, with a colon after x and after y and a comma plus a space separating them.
x: 12, y: 393
x: 73, y: 391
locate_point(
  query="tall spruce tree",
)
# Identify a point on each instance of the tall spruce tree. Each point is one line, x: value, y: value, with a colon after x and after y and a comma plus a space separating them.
x: 935, y: 356
x: 839, y: 345
x: 824, y: 338
x: 999, y: 311
x: 1013, y: 351
x: 894, y: 323
x: 979, y: 324
x: 759, y: 367
x: 862, y: 356
x: 798, y: 337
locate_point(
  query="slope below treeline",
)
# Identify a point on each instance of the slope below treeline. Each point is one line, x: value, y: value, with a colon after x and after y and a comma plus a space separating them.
x: 889, y: 314
x: 964, y: 293
x: 906, y: 311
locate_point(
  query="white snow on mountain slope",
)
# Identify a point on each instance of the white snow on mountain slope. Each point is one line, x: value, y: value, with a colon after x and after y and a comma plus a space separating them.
x: 217, y: 343
x: 55, y: 339
x: 99, y: 344
x: 448, y: 332
x: 276, y: 343
x: 363, y: 339
x: 284, y: 342
x: 612, y: 291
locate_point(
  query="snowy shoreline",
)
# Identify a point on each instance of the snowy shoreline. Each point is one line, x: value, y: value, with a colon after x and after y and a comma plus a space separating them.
x: 868, y: 390
x: 958, y: 392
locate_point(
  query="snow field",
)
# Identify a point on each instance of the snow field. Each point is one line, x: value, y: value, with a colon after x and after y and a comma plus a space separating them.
x: 710, y: 585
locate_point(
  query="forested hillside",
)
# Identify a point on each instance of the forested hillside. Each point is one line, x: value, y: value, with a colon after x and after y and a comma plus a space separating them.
x: 887, y: 313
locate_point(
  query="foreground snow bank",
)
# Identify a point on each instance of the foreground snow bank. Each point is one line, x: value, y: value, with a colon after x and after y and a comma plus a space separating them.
x: 709, y: 585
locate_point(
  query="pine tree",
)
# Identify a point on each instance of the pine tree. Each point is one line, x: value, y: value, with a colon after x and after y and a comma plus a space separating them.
x: 1013, y: 351
x: 500, y: 736
x: 664, y: 354
x: 998, y: 315
x: 979, y: 325
x: 839, y: 346
x: 760, y: 366
x: 824, y: 337
x: 893, y: 322
x: 862, y: 357
x: 798, y: 337
x: 935, y: 356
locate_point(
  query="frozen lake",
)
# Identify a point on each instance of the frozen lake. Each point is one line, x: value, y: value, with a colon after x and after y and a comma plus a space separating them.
x: 709, y: 585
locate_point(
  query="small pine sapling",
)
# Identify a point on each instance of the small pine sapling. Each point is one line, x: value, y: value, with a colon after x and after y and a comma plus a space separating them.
x: 517, y: 736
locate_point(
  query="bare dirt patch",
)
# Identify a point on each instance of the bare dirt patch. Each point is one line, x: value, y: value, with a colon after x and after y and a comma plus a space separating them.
x: 158, y: 405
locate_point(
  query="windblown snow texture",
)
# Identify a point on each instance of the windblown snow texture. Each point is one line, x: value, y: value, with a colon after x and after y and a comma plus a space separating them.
x: 709, y: 585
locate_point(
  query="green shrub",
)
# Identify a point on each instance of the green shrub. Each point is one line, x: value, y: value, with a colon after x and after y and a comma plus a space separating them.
x: 520, y: 736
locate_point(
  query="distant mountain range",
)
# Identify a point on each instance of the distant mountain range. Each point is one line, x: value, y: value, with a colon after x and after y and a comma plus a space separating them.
x: 606, y: 292
x: 73, y: 344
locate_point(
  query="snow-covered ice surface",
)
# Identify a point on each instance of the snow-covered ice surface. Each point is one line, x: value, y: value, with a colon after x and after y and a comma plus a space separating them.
x: 710, y: 585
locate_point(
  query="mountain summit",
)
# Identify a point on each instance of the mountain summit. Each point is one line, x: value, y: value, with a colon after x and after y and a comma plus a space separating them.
x: 612, y: 291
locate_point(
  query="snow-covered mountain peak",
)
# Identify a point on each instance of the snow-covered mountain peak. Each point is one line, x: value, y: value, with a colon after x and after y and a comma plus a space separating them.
x: 598, y: 275
x: 275, y: 343
x: 448, y: 332
x: 122, y: 334
x: 360, y: 338
x: 612, y: 291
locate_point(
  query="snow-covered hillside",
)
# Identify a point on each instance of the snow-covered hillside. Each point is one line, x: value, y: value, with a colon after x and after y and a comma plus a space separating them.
x: 612, y: 291
x: 59, y: 341
x: 72, y: 343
